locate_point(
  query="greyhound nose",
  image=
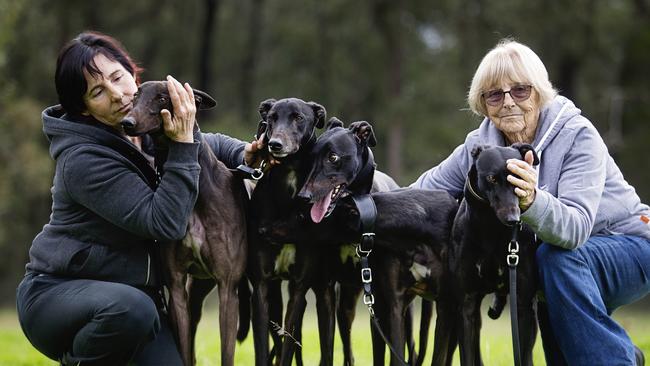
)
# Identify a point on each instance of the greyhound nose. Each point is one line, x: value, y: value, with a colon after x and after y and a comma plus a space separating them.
x: 275, y: 145
x: 304, y: 195
x: 128, y: 123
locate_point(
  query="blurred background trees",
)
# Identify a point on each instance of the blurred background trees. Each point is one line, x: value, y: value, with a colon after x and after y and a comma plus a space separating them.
x: 405, y: 66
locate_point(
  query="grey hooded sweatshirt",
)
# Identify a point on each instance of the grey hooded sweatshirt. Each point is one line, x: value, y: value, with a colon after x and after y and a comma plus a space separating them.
x: 105, y: 215
x: 581, y: 191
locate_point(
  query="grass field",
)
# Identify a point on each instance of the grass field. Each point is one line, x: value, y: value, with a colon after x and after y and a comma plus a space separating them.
x: 495, y: 340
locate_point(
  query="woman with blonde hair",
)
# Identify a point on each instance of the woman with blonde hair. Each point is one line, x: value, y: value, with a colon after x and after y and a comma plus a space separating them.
x: 595, y: 251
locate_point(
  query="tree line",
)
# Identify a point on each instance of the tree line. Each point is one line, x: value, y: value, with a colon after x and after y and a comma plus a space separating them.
x: 403, y: 66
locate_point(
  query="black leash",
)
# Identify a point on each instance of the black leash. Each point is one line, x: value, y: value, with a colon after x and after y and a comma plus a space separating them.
x: 513, y: 260
x: 367, y: 216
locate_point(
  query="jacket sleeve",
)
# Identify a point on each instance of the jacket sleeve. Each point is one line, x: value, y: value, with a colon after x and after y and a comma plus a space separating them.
x: 107, y: 185
x: 450, y: 174
x: 568, y: 219
x: 227, y: 149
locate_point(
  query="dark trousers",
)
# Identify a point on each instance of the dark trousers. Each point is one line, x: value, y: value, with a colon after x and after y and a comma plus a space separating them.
x: 94, y: 322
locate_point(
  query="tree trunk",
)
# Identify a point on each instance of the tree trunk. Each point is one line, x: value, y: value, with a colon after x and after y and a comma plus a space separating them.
x: 207, y: 40
x: 387, y: 16
x: 249, y: 64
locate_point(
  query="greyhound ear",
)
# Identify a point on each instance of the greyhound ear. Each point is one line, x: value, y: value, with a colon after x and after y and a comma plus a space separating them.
x: 333, y: 122
x: 524, y: 148
x: 363, y: 132
x: 203, y: 100
x: 265, y: 107
x: 319, y: 113
x: 476, y: 151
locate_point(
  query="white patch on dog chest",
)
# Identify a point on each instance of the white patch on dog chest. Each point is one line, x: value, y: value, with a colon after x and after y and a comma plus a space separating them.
x: 419, y: 271
x: 286, y: 258
x: 292, y: 182
x: 349, y: 252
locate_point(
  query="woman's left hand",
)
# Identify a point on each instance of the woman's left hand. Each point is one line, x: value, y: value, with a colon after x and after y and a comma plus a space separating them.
x: 524, y: 179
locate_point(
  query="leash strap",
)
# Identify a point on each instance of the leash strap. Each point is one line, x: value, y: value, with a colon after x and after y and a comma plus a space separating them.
x: 367, y: 217
x: 513, y: 260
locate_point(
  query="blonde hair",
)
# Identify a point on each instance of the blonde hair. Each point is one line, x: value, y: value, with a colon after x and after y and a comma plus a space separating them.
x: 509, y: 60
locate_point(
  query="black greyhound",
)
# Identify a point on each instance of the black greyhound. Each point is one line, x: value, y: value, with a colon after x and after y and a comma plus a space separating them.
x: 410, y: 258
x: 481, y: 233
x: 290, y: 134
x: 350, y: 145
x: 214, y: 250
x: 412, y: 229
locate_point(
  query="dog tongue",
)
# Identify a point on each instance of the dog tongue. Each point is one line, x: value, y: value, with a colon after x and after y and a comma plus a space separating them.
x: 319, y: 209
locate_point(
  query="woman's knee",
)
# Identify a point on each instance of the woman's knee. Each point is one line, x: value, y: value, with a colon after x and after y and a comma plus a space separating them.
x: 555, y: 262
x: 133, y: 313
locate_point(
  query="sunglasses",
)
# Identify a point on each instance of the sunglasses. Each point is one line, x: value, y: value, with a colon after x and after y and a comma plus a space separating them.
x: 518, y: 93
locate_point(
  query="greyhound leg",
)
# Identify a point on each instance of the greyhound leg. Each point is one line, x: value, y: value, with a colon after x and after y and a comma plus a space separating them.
x: 444, y: 342
x: 180, y: 315
x: 348, y: 297
x: 325, y: 306
x: 527, y: 323
x: 261, y: 322
x: 408, y: 333
x: 470, y: 351
x: 276, y: 307
x: 198, y: 290
x: 295, y: 310
x: 425, y: 323
x: 228, y: 305
x: 396, y: 335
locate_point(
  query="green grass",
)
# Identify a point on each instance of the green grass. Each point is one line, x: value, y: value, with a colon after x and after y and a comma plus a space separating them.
x: 495, y: 340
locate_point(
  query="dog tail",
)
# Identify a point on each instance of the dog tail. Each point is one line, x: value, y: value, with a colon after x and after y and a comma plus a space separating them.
x: 498, y: 303
x: 244, y: 294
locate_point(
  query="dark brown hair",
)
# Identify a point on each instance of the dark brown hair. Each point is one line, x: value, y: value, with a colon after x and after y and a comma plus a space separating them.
x: 78, y: 55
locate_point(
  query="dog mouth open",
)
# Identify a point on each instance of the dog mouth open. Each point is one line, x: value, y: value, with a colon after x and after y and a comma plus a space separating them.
x: 324, y: 206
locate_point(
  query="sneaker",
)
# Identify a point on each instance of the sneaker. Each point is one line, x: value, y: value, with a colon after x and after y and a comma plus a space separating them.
x: 640, y: 358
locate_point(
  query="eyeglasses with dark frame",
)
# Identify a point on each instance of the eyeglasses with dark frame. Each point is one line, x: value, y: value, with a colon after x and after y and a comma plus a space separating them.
x: 518, y: 93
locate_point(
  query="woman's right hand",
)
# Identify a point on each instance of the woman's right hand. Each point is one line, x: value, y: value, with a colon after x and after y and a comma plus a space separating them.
x: 179, y: 127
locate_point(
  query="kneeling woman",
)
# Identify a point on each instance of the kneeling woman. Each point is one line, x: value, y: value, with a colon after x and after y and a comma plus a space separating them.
x: 91, y: 293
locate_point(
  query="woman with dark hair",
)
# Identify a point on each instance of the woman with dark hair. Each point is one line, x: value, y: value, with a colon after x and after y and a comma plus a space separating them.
x: 91, y: 293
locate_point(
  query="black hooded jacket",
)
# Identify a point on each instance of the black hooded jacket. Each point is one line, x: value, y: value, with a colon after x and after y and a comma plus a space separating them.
x: 106, y: 216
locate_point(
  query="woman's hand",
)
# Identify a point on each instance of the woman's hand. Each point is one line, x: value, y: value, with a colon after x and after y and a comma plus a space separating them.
x: 179, y: 127
x: 524, y: 179
x: 254, y: 154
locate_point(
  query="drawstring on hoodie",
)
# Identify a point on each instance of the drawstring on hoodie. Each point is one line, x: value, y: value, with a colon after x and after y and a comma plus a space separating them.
x: 538, y: 148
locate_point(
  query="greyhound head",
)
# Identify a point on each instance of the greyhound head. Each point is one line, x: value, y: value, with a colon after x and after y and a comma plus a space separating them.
x: 151, y: 98
x: 342, y: 165
x: 488, y: 178
x: 291, y: 123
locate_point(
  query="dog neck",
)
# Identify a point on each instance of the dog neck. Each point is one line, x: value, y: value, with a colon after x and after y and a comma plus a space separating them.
x: 362, y: 183
x: 471, y: 193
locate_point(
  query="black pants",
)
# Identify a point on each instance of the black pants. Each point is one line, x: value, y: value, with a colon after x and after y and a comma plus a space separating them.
x: 94, y: 322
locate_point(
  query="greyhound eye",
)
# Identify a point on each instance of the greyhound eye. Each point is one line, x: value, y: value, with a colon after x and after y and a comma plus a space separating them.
x: 299, y: 118
x: 162, y: 99
x: 333, y: 158
x: 491, y: 179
